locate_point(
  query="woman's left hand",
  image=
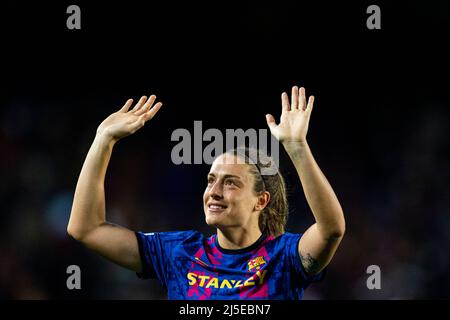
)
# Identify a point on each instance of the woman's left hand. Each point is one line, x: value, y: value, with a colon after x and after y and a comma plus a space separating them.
x: 294, y: 119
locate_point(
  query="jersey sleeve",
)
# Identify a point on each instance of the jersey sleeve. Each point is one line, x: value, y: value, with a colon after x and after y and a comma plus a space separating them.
x: 155, y: 250
x: 294, y: 258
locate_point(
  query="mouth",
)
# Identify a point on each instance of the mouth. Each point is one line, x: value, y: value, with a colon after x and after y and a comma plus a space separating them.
x: 216, y: 207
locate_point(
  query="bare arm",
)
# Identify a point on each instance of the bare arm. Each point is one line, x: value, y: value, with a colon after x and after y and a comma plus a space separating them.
x: 320, y: 242
x: 87, y: 222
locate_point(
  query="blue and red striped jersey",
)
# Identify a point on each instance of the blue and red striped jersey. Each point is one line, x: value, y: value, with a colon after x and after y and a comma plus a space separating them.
x: 192, y: 266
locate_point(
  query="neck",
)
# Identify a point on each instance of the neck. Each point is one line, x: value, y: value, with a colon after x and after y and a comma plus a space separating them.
x: 237, y: 238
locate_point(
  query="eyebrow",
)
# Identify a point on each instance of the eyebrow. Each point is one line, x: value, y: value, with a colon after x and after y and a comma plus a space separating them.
x: 225, y: 176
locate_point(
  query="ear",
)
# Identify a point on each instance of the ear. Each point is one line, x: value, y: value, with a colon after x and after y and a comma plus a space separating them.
x: 263, y: 200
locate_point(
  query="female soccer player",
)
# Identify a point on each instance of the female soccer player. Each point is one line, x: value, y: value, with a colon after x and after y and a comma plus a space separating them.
x: 251, y: 256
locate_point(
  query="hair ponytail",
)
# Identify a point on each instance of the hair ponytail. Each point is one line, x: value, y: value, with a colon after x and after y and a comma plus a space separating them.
x: 273, y: 218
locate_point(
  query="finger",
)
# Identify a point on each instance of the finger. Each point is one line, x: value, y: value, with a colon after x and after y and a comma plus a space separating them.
x: 126, y: 106
x: 294, y: 98
x: 146, y: 106
x: 310, y: 103
x: 285, y: 102
x: 152, y: 112
x: 139, y: 104
x: 302, y: 99
x: 270, y: 121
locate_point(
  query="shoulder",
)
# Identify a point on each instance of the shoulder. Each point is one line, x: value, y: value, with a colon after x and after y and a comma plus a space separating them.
x: 284, y: 243
x: 287, y: 237
x: 172, y: 236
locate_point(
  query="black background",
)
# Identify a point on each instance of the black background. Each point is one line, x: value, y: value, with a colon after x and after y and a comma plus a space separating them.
x: 379, y: 128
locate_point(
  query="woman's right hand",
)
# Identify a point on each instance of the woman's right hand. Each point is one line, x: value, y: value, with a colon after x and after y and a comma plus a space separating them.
x: 126, y: 122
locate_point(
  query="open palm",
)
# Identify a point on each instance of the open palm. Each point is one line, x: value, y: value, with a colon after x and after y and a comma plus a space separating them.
x: 126, y: 122
x: 294, y: 119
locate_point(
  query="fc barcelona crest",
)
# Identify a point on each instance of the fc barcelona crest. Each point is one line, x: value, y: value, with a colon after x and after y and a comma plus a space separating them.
x: 256, y: 263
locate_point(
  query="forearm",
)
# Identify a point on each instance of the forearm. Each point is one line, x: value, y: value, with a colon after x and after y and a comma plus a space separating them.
x: 88, y: 208
x: 319, y: 194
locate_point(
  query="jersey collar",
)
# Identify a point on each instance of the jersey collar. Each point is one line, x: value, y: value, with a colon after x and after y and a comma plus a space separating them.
x: 242, y: 250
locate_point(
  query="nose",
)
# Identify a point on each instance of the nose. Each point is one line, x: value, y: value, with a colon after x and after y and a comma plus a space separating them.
x: 216, y: 191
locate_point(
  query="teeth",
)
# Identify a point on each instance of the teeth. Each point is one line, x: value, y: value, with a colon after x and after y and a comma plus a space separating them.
x: 216, y: 206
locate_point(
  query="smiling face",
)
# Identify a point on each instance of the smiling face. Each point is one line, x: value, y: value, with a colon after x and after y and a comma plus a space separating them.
x: 229, y: 199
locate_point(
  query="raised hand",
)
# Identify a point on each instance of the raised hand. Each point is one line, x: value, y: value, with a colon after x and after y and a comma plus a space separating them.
x: 294, y: 119
x: 126, y: 122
